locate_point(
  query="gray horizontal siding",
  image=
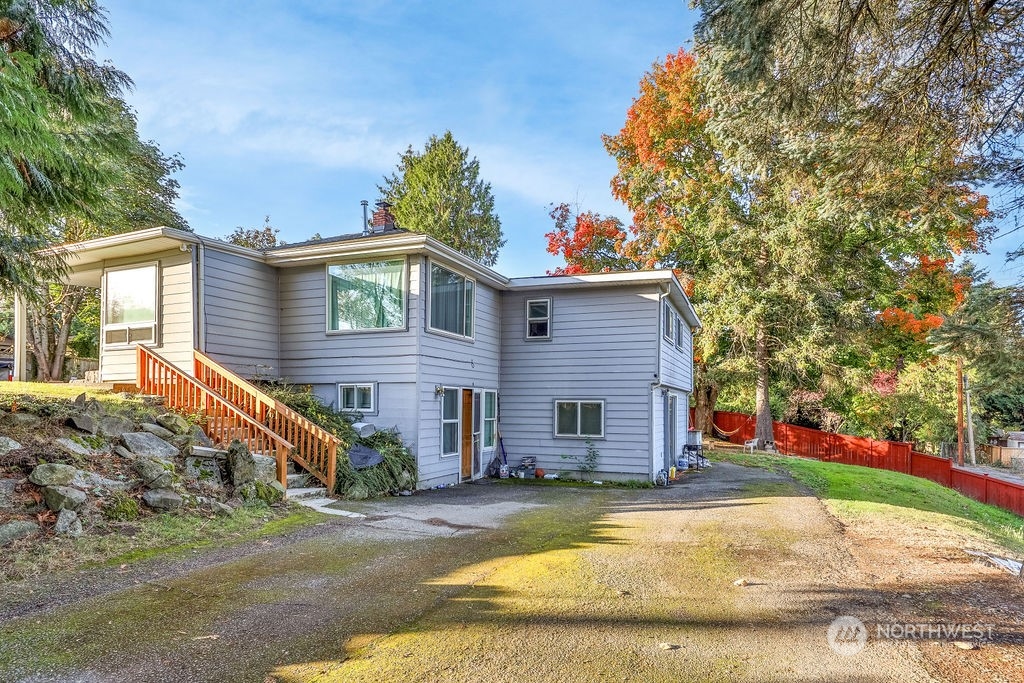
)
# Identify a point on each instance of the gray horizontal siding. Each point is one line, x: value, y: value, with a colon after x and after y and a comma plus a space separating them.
x: 241, y: 313
x: 452, y: 362
x: 310, y: 355
x: 677, y: 362
x: 604, y: 345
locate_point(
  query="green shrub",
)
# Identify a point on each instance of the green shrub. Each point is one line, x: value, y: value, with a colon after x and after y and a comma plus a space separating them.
x: 396, y: 473
x: 120, y: 507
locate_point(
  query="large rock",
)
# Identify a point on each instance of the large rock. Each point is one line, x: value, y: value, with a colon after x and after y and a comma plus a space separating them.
x: 12, y: 531
x: 156, y: 473
x: 199, y: 437
x: 113, y: 426
x: 63, y: 498
x: 162, y: 499
x: 204, y: 470
x: 72, y: 447
x: 174, y: 422
x: 68, y: 524
x: 83, y: 422
x: 23, y: 419
x: 156, y: 430
x: 259, y: 492
x: 7, y: 444
x: 241, y: 464
x: 52, y: 474
x: 91, y: 480
x: 266, y: 468
x: 7, y: 487
x: 144, y: 443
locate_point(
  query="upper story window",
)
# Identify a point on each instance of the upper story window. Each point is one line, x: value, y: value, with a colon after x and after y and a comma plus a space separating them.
x: 451, y: 301
x: 366, y: 296
x: 538, y: 319
x: 668, y: 328
x: 129, y: 312
x: 680, y: 333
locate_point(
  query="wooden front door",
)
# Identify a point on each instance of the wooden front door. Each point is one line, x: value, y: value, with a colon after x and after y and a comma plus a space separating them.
x: 466, y: 427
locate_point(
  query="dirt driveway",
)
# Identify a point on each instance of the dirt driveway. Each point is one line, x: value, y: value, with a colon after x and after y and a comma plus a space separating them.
x: 489, y: 583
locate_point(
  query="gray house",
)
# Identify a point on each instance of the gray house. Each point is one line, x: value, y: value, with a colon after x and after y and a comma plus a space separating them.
x: 413, y: 335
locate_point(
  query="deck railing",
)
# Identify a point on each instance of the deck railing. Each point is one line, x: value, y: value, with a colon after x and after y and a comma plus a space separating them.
x: 223, y: 421
x: 316, y: 449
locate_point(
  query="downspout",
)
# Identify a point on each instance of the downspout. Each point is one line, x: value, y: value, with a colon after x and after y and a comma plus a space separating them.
x: 200, y: 259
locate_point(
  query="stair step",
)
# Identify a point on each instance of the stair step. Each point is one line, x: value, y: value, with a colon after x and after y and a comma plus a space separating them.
x: 323, y: 505
x: 307, y: 492
x: 297, y: 480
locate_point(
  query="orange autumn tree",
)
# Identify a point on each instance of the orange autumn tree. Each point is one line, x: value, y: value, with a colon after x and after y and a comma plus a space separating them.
x: 787, y: 253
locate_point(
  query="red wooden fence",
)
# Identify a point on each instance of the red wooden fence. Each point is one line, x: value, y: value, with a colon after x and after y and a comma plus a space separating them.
x: 886, y: 455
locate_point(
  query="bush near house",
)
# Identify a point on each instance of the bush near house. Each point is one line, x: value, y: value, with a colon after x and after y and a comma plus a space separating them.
x: 396, y: 473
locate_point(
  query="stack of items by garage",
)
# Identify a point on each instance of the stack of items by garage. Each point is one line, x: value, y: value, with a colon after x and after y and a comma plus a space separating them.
x: 527, y: 468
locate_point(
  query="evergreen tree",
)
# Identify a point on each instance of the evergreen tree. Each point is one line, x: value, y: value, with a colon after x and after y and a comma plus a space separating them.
x: 438, y: 192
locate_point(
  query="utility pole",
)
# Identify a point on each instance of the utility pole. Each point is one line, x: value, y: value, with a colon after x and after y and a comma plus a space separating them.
x: 970, y: 420
x: 959, y: 412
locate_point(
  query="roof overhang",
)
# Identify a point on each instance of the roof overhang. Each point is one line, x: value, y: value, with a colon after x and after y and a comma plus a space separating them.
x: 376, y: 246
x: 86, y: 260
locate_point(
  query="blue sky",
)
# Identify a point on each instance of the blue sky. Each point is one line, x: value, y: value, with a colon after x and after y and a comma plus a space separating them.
x: 298, y: 109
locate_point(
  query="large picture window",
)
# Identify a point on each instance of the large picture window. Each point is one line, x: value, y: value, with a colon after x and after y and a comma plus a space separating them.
x: 451, y: 301
x: 366, y: 296
x: 129, y: 312
x: 579, y: 419
x: 450, y: 406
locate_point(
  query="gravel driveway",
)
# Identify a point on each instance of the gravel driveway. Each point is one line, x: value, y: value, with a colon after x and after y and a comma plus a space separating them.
x: 484, y: 582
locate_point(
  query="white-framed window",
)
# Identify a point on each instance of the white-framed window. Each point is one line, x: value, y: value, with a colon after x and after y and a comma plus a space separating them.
x: 579, y: 419
x: 490, y: 419
x: 370, y: 295
x: 451, y: 302
x: 359, y: 398
x: 129, y: 307
x: 666, y: 325
x: 451, y: 407
x: 538, y: 318
x: 680, y: 336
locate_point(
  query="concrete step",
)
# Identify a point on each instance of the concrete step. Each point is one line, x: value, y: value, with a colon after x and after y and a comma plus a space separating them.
x: 297, y: 480
x: 298, y: 494
x: 321, y: 505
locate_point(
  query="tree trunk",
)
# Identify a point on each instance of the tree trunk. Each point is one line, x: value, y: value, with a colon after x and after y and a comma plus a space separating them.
x: 763, y: 430
x: 706, y: 397
x: 49, y: 328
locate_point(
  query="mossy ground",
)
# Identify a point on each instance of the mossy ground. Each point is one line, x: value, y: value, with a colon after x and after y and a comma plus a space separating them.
x: 112, y: 543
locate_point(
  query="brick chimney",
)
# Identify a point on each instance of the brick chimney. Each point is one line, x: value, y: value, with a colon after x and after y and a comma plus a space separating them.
x: 382, y: 219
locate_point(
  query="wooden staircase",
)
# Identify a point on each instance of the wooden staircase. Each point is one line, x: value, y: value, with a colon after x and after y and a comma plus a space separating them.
x: 236, y: 409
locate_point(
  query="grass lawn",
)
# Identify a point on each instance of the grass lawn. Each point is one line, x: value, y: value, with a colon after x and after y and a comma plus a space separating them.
x: 851, y: 491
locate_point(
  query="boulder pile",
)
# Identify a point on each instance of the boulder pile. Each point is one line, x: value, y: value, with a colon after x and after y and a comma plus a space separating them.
x: 109, y: 467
